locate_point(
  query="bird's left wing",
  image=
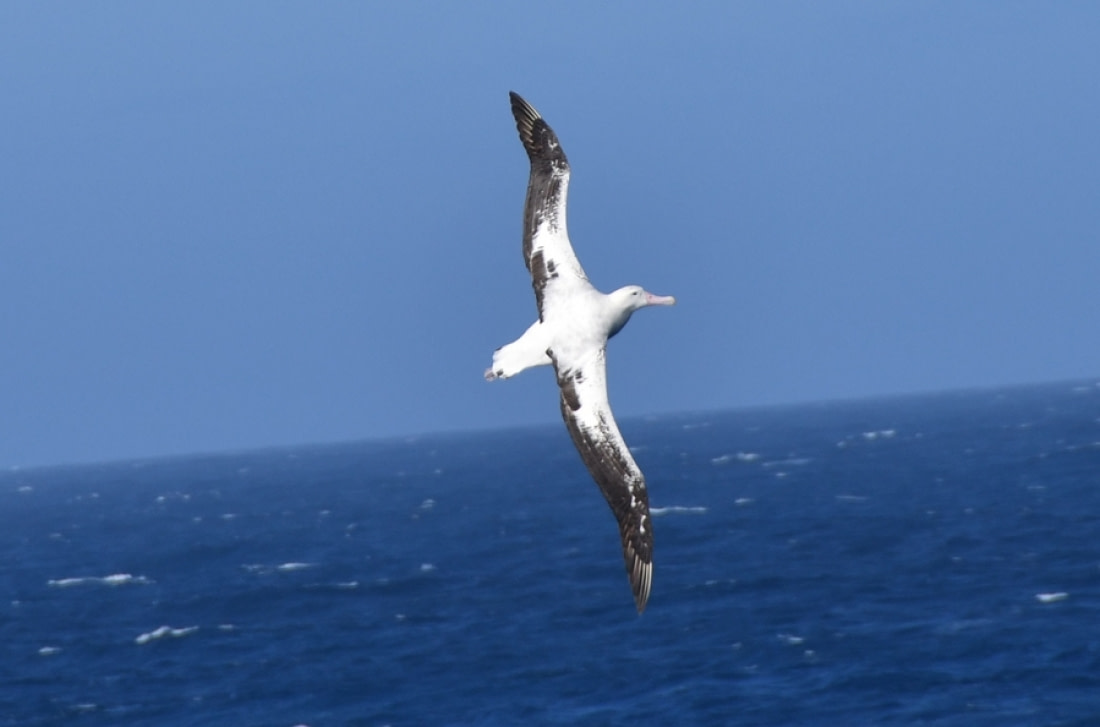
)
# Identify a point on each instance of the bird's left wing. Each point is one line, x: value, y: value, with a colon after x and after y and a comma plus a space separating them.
x: 587, y: 414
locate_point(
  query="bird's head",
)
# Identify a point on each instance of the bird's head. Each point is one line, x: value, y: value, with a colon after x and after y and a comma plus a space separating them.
x: 629, y: 299
x: 635, y: 297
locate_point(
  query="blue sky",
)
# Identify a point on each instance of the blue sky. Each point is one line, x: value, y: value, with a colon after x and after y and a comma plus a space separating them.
x: 235, y: 225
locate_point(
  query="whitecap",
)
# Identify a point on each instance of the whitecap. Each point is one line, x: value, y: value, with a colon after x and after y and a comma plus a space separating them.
x: 791, y: 639
x: 293, y: 566
x: 792, y: 462
x: 49, y: 650
x: 120, y: 579
x: 676, y: 509
x: 115, y: 579
x: 743, y: 501
x: 1051, y: 597
x: 851, y: 498
x: 163, y: 632
x: 426, y: 567
x: 740, y: 457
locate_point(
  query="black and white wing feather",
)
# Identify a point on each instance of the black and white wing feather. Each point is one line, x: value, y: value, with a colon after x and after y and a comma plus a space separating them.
x: 546, y: 249
x: 587, y: 414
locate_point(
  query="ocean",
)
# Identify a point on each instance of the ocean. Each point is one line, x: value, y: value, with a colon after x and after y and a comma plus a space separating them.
x: 922, y: 560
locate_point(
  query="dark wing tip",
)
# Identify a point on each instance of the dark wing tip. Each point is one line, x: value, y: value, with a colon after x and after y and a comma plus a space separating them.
x: 637, y: 536
x: 539, y: 140
x: 525, y: 115
x: 641, y: 579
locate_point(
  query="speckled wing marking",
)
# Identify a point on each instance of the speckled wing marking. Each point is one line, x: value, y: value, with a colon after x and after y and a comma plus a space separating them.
x: 587, y: 415
x: 546, y: 249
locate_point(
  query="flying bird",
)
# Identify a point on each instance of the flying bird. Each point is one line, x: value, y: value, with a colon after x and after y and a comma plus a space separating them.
x: 575, y: 321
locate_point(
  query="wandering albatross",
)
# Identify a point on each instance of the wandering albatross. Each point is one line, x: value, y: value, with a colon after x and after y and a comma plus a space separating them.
x: 575, y: 321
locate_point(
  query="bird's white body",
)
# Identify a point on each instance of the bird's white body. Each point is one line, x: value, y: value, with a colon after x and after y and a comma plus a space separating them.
x: 575, y: 326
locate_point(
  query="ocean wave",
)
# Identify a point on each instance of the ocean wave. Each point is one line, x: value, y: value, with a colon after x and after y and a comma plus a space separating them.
x: 740, y: 457
x: 115, y: 579
x: 870, y: 435
x: 676, y: 510
x: 293, y: 566
x: 288, y: 567
x: 791, y: 462
x: 164, y: 632
x: 1051, y: 597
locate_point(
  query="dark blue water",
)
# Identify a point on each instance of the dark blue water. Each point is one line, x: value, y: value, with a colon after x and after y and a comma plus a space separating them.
x: 915, y: 561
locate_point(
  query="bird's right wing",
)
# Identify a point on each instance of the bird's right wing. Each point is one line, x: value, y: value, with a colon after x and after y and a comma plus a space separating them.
x: 547, y: 251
